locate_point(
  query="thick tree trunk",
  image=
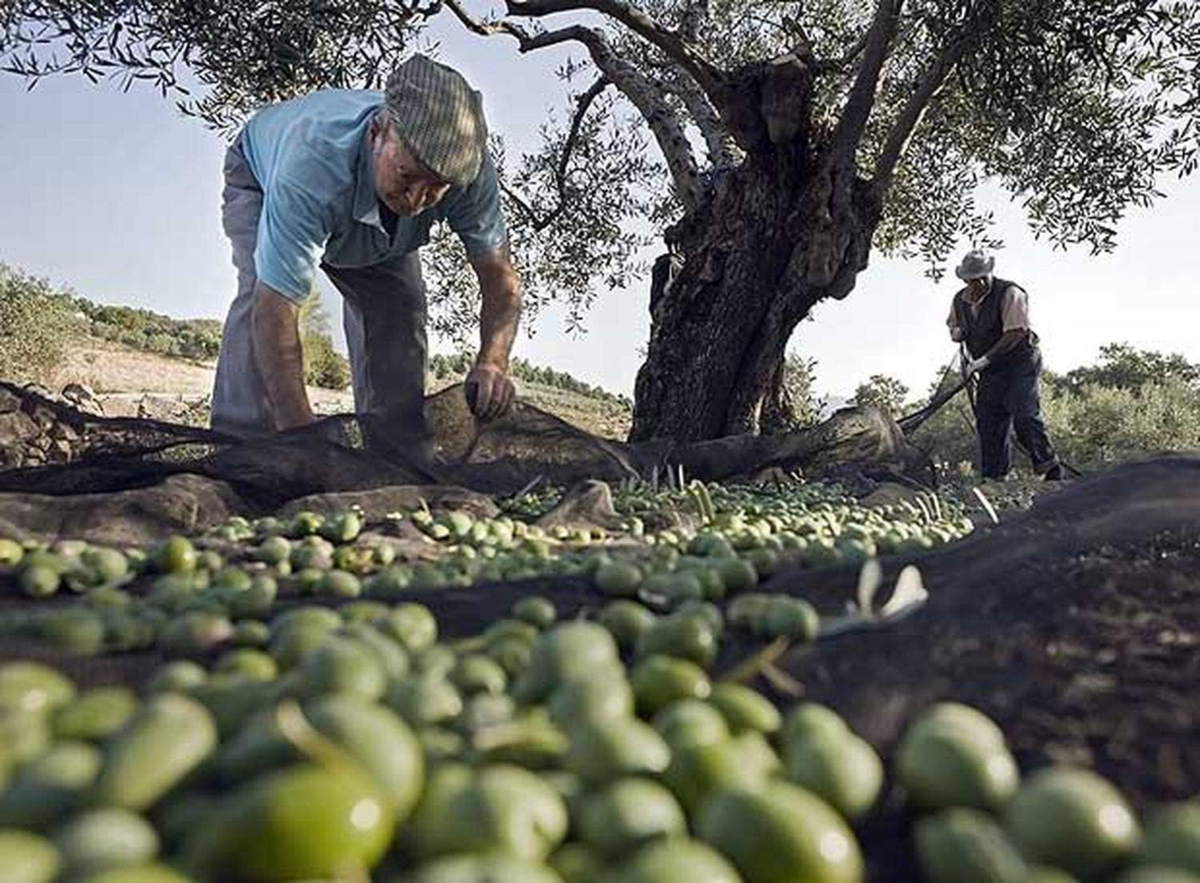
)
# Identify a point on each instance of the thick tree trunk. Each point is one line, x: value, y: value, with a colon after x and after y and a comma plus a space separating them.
x: 772, y: 243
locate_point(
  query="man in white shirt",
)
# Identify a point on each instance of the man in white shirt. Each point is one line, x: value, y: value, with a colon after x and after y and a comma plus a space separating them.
x: 990, y: 317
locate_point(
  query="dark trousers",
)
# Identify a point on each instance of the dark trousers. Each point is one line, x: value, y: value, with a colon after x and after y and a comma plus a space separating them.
x: 1007, y: 402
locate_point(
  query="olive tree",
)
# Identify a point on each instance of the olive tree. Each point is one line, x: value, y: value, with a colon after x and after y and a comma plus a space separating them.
x: 794, y: 138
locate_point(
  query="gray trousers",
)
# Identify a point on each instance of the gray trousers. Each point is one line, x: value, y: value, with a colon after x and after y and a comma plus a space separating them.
x: 384, y: 317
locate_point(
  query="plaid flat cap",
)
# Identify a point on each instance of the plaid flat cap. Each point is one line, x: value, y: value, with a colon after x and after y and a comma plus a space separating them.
x: 439, y: 116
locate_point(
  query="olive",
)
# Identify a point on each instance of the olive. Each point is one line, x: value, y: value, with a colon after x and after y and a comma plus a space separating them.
x: 620, y: 579
x: 604, y: 695
x: 28, y: 858
x: 626, y: 620
x: 700, y: 768
x: 966, y: 844
x: 744, y: 709
x: 536, y: 611
x: 498, y: 809
x: 658, y: 681
x: 104, y: 838
x: 628, y: 814
x: 677, y: 861
x: 176, y: 555
x: 781, y: 832
x: 955, y: 756
x: 602, y: 750
x: 687, y: 637
x: 1072, y: 819
x: 1173, y: 837
x: 691, y: 722
x: 303, y: 822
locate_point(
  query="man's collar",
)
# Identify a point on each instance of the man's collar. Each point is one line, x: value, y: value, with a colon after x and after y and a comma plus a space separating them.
x: 366, y: 202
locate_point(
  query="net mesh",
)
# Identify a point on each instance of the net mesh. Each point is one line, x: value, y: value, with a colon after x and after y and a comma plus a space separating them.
x: 50, y: 447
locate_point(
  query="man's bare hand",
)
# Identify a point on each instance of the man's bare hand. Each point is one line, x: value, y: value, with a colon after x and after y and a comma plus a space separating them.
x: 490, y: 391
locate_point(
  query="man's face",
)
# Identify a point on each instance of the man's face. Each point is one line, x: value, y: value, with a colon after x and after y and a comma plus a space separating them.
x: 402, y: 182
x: 978, y: 287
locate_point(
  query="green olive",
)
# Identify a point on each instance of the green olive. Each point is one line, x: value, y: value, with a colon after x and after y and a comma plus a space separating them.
x: 966, y: 844
x: 841, y: 769
x: 628, y: 814
x: 677, y: 861
x: 1072, y: 819
x: 658, y: 681
x: 619, y: 579
x: 95, y: 715
x: 691, y: 722
x: 942, y: 762
x: 33, y: 687
x: 782, y: 833
x: 176, y: 555
x: 535, y: 610
x: 701, y: 768
x: 303, y: 822
x: 687, y: 637
x: 626, y: 620
x: 27, y: 858
x: 744, y: 709
x: 499, y: 809
x: 1173, y: 837
x: 105, y: 837
x: 602, y: 750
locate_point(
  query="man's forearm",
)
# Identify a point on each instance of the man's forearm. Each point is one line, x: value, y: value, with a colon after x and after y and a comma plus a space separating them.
x: 500, y: 315
x: 1007, y: 341
x: 279, y: 358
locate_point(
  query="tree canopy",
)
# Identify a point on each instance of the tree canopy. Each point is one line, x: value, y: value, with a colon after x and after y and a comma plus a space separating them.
x: 1077, y: 108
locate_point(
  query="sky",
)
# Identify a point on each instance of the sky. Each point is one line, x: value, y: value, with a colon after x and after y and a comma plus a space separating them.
x: 117, y: 196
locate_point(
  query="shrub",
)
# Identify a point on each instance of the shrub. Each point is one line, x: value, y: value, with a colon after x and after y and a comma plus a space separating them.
x: 1100, y: 426
x: 323, y: 365
x: 36, y: 325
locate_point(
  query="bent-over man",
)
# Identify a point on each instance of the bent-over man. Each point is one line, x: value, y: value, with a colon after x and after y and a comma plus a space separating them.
x: 352, y: 181
x: 990, y: 317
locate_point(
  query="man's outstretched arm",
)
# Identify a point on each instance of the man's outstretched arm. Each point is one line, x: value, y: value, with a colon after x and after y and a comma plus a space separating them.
x: 489, y: 388
x: 275, y: 332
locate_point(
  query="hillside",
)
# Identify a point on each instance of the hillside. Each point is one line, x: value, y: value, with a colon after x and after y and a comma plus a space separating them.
x: 129, y: 381
x: 141, y: 363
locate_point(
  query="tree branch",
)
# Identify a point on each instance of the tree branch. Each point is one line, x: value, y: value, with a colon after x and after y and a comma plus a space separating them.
x: 670, y: 42
x: 642, y: 93
x: 717, y: 138
x: 914, y: 109
x: 584, y: 102
x: 693, y: 17
x: 861, y: 101
x: 828, y: 65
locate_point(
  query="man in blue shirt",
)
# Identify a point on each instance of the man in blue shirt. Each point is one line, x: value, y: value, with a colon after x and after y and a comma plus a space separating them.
x: 353, y: 181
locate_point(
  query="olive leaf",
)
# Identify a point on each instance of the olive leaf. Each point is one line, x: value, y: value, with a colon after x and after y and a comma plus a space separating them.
x: 909, y: 595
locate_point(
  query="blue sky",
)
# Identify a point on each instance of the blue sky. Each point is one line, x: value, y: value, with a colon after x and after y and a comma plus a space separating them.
x: 117, y: 195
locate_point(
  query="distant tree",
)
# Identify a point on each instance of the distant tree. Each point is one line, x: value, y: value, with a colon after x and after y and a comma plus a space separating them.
x: 883, y: 392
x: 1123, y: 367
